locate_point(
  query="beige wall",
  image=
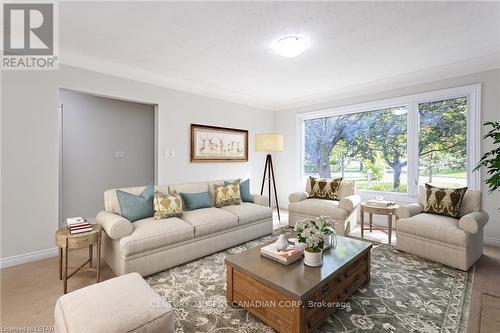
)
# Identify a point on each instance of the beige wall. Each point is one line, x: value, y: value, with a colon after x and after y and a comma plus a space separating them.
x: 29, y: 144
x: 286, y: 123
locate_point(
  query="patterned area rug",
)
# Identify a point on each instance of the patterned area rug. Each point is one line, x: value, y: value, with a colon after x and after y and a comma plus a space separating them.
x: 406, y: 294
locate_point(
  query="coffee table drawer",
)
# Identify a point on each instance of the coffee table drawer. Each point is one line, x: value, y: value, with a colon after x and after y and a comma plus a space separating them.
x: 360, y: 265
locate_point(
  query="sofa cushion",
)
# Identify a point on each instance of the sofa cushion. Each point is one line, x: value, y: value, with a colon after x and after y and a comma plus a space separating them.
x: 209, y: 220
x: 324, y: 188
x: 136, y: 207
x: 194, y: 201
x: 317, y: 207
x: 167, y: 205
x: 249, y: 212
x: 150, y: 234
x: 246, y: 196
x: 440, y: 228
x: 227, y: 195
x: 189, y: 187
x: 443, y: 201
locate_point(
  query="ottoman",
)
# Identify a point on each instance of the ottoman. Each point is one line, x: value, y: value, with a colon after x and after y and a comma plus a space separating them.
x: 123, y: 304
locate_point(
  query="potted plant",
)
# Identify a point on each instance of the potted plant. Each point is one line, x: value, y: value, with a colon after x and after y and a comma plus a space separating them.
x: 491, y: 159
x: 312, y: 232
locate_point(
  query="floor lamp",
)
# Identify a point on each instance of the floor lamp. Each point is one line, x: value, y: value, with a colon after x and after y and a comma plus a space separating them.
x: 269, y: 143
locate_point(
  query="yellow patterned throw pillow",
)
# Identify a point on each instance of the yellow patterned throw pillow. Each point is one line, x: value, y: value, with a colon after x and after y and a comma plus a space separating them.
x: 443, y: 201
x: 226, y: 195
x: 167, y: 205
x: 324, y: 188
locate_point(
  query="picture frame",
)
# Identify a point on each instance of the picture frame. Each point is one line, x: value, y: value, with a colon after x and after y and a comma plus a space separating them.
x: 218, y: 144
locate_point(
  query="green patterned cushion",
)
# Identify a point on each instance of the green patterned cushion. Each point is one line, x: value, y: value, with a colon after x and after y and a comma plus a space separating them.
x: 226, y: 195
x: 443, y: 201
x: 167, y: 205
x: 324, y: 188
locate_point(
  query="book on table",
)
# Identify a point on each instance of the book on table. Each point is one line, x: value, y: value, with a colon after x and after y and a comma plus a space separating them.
x: 75, y: 220
x: 380, y: 203
x: 286, y: 257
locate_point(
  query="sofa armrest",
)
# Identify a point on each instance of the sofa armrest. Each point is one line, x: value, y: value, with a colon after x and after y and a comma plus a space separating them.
x: 405, y: 211
x: 114, y: 225
x: 262, y: 200
x: 350, y: 202
x: 473, y: 221
x: 298, y: 196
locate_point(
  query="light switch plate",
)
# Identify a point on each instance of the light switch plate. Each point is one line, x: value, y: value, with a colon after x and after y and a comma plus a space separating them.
x: 120, y: 154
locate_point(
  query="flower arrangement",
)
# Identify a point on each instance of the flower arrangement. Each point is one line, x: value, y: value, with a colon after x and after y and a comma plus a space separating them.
x: 312, y: 231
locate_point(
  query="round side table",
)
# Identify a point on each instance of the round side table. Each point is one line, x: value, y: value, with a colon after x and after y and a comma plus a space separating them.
x: 388, y: 211
x: 66, y: 241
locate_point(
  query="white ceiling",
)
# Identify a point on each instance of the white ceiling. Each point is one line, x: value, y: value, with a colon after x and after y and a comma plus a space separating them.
x: 222, y: 49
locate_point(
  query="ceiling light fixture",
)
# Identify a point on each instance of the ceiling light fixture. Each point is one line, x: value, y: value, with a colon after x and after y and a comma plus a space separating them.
x: 290, y: 46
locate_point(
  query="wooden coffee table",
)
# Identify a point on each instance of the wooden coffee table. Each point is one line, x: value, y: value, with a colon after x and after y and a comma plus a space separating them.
x: 297, y: 298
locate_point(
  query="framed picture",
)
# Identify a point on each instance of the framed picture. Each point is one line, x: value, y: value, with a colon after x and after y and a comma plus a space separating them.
x: 218, y: 144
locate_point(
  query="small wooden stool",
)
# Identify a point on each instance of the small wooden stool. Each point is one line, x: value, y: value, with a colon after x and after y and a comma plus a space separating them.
x: 66, y: 241
x: 389, y: 211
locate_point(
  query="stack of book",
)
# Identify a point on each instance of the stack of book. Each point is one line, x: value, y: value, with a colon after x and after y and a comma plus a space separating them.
x: 77, y: 225
x: 285, y: 257
x: 380, y: 203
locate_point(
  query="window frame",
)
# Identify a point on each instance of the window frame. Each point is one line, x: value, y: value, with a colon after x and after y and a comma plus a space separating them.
x: 473, y: 94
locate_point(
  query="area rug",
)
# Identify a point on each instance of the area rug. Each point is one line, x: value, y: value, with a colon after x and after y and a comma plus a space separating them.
x: 406, y: 294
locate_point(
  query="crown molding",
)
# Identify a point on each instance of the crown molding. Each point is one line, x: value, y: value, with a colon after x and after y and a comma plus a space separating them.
x: 73, y: 58
x: 470, y: 66
x: 480, y: 64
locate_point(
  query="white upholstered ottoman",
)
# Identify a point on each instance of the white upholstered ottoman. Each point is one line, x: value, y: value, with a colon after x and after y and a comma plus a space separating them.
x: 123, y: 304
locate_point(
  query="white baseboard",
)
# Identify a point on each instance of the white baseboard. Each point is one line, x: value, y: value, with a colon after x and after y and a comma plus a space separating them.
x: 492, y: 241
x: 28, y: 257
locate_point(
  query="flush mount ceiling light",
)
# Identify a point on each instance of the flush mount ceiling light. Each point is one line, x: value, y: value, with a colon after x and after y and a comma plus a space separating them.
x: 290, y: 46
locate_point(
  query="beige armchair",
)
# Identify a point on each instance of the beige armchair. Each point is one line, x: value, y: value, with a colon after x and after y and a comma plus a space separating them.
x: 342, y: 211
x: 454, y: 242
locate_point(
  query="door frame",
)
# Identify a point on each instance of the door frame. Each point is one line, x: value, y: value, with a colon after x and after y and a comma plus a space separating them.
x: 60, y: 139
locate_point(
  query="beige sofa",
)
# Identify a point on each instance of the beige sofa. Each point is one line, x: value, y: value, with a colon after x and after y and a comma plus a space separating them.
x: 454, y: 242
x: 148, y: 246
x: 342, y: 211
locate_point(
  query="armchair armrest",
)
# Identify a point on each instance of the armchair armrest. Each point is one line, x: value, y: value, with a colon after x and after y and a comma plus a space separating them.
x: 298, y: 196
x: 405, y: 211
x: 114, y: 225
x: 350, y: 202
x: 473, y: 221
x: 262, y: 200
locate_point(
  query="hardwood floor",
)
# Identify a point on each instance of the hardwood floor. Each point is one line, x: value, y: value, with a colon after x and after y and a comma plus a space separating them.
x: 28, y: 292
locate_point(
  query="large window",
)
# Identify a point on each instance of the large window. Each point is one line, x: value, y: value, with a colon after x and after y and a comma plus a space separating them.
x: 396, y: 145
x: 369, y: 147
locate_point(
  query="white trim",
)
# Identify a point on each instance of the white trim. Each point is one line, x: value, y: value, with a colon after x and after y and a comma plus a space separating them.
x: 492, y: 241
x: 448, y: 71
x: 28, y: 257
x: 74, y: 58
x: 473, y: 94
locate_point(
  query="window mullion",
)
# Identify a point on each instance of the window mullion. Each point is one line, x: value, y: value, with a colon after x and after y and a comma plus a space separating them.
x: 413, y: 140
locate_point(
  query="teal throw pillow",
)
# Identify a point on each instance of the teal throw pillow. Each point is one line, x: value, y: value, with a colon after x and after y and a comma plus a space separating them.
x: 136, y: 207
x: 199, y: 200
x: 244, y: 190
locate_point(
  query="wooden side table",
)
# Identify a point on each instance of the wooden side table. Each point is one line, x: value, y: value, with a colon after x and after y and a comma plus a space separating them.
x: 66, y: 241
x: 388, y: 211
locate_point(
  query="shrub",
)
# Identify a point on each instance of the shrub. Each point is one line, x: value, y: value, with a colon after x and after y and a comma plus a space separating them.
x: 377, y: 169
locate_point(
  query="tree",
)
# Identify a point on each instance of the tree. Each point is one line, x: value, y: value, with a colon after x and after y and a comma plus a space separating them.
x: 443, y: 133
x: 321, y: 135
x: 389, y: 135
